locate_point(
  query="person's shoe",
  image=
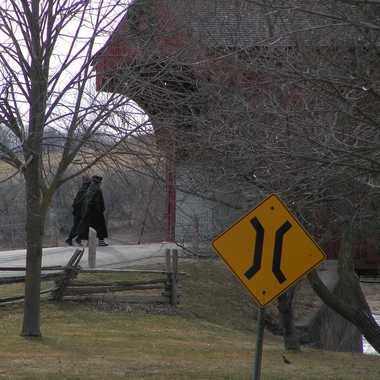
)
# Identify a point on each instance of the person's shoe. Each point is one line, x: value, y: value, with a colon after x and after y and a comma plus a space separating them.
x: 78, y: 241
x: 69, y: 242
x: 102, y: 243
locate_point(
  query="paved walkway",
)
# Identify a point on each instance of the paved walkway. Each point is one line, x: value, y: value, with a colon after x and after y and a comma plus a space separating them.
x: 113, y: 256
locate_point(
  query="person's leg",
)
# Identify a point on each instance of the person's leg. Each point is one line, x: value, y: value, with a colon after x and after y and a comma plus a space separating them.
x: 74, y: 230
x: 83, y: 228
x: 97, y: 222
x: 101, y: 230
x: 103, y: 243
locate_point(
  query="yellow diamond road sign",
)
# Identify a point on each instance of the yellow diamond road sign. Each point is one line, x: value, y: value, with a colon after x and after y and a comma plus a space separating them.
x: 268, y: 250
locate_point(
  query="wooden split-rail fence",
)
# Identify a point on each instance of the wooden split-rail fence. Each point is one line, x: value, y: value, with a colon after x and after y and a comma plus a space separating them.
x: 163, y: 288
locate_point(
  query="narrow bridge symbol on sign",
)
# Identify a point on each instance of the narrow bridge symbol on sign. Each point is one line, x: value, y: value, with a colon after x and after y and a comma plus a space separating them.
x: 268, y: 250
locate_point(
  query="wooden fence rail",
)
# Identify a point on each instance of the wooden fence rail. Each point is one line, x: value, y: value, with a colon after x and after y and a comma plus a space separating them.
x: 166, y: 287
x: 58, y: 276
x: 68, y: 286
x: 20, y: 279
x: 22, y: 269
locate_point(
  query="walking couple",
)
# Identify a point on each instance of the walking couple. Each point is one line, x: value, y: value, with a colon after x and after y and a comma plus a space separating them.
x: 88, y: 211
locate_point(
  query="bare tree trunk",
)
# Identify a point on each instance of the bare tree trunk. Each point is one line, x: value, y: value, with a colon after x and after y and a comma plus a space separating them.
x: 285, y: 307
x: 35, y: 211
x: 34, y: 236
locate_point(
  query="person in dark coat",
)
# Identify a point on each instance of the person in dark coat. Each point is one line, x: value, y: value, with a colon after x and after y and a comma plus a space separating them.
x: 93, y: 212
x: 77, y: 209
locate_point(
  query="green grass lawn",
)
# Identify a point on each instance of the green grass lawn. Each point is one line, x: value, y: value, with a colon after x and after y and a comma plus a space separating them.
x: 211, y: 336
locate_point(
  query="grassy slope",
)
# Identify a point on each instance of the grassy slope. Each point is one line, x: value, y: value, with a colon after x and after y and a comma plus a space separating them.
x: 211, y: 337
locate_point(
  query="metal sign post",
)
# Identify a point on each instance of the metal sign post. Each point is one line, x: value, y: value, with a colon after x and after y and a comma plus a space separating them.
x: 259, y: 344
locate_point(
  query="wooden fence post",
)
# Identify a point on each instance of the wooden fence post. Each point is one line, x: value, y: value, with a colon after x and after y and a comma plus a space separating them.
x: 92, y: 248
x: 172, y: 269
x: 168, y: 264
x: 173, y: 293
x: 71, y: 271
x: 168, y: 274
x: 196, y: 237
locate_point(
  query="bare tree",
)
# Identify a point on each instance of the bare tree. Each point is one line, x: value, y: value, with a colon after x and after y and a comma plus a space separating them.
x: 59, y: 125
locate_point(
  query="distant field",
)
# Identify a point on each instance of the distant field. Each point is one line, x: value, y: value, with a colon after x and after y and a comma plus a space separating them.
x: 5, y: 170
x: 210, y: 336
x: 136, y: 152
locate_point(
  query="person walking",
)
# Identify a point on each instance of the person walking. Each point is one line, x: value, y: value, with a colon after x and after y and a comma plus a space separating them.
x: 93, y: 212
x: 77, y: 210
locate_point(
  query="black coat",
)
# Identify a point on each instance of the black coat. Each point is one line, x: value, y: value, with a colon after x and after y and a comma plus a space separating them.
x: 78, y: 200
x: 93, y: 213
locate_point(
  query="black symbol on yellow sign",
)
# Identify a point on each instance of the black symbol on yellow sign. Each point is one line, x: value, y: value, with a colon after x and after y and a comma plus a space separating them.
x: 277, y: 250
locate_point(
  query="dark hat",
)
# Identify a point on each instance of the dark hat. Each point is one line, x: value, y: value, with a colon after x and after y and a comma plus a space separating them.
x: 97, y: 178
